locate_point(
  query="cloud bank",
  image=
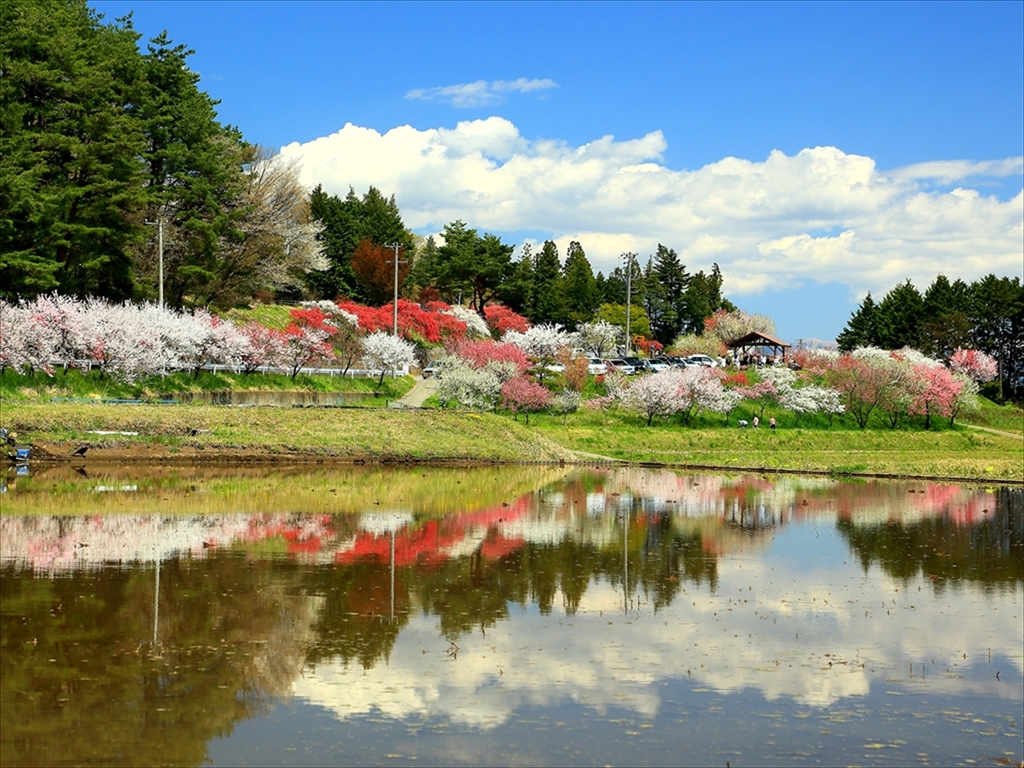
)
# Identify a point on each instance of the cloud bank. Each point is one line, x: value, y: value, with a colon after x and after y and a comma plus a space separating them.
x: 818, y: 216
x: 479, y: 93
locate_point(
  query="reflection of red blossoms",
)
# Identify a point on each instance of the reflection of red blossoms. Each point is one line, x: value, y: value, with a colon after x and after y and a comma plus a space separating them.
x: 431, y: 541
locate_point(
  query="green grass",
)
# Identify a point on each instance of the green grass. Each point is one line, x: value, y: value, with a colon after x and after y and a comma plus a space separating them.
x: 271, y: 315
x: 958, y: 453
x: 344, y: 433
x: 1005, y: 418
x: 74, y: 384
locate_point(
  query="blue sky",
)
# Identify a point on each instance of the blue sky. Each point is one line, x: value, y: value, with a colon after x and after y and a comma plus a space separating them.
x: 814, y: 151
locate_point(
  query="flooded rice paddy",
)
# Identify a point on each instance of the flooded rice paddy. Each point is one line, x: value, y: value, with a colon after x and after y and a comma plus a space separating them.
x: 523, y: 616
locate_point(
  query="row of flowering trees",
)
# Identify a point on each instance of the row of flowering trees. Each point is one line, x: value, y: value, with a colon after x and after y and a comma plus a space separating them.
x: 132, y: 341
x: 901, y: 383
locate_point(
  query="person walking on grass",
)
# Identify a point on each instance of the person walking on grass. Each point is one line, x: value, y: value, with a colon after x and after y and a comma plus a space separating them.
x: 771, y: 423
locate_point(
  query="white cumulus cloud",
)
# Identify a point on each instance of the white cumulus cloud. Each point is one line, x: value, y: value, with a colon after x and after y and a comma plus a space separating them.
x: 481, y: 92
x: 819, y: 215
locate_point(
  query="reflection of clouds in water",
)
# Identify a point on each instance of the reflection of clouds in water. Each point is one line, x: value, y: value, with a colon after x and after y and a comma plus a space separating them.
x: 782, y: 631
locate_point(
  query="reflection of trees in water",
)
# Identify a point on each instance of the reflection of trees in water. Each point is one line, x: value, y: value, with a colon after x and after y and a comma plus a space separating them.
x: 354, y: 621
x: 945, y: 550
x: 231, y: 634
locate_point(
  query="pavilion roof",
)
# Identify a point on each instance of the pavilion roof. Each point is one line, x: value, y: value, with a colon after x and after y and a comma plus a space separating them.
x: 757, y: 338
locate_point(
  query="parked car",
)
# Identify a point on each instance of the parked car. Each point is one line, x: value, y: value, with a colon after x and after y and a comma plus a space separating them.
x: 596, y: 367
x: 703, y: 360
x: 621, y: 366
x: 659, y: 364
x: 640, y: 364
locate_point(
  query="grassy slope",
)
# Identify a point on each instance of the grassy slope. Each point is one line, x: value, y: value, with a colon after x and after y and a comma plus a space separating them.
x: 951, y: 453
x: 342, y: 433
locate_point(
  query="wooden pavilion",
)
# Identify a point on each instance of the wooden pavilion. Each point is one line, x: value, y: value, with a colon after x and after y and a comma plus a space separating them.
x: 753, y: 346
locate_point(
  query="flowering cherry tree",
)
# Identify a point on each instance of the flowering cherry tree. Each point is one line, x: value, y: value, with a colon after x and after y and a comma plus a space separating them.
x: 938, y: 393
x: 659, y: 394
x: 521, y: 394
x: 265, y: 347
x: 476, y: 326
x: 975, y: 364
x: 599, y: 338
x: 468, y: 386
x: 307, y: 340
x: 386, y: 352
x: 541, y: 342
x: 566, y: 401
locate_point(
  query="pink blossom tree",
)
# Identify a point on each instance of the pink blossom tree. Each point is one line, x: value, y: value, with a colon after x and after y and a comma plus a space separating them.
x: 975, y: 364
x: 265, y: 347
x: 659, y: 394
x: 939, y: 393
x: 521, y: 394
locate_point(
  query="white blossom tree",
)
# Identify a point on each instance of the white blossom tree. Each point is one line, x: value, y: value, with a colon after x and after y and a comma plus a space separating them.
x: 599, y: 338
x: 468, y: 386
x: 385, y: 352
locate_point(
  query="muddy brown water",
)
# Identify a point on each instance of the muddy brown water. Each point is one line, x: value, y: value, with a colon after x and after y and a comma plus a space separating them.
x: 525, y: 615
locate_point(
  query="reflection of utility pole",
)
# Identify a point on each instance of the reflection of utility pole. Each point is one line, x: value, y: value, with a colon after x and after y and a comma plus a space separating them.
x: 156, y: 601
x: 625, y: 563
x: 396, y: 246
x: 392, y: 576
x: 160, y: 241
x: 629, y: 289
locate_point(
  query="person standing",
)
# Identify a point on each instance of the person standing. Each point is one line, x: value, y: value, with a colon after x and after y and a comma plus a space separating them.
x: 756, y: 422
x: 771, y: 423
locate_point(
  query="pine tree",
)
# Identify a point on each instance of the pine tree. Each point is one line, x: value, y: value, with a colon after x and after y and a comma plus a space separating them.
x: 581, y: 296
x: 548, y: 304
x: 898, y: 317
x: 70, y: 176
x: 861, y: 330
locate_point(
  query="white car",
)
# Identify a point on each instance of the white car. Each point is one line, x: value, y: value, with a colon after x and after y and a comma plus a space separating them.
x: 621, y: 366
x: 703, y: 360
x: 596, y: 367
x: 658, y: 365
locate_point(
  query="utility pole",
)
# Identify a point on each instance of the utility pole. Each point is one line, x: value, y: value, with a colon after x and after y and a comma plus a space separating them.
x: 629, y: 290
x: 394, y: 322
x: 160, y: 240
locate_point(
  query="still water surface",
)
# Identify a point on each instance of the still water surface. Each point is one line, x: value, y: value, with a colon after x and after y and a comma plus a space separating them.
x: 529, y: 616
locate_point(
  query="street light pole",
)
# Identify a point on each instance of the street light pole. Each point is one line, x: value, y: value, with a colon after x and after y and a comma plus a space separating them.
x: 160, y: 240
x: 394, y: 323
x: 629, y: 289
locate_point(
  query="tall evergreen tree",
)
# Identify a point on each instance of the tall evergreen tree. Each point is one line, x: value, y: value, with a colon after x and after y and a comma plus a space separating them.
x: 703, y: 299
x: 516, y: 292
x: 469, y: 267
x: 194, y: 173
x: 861, y: 329
x: 899, y: 316
x: 581, y: 297
x: 666, y: 282
x: 70, y: 176
x: 945, y: 325
x: 347, y: 222
x: 548, y: 289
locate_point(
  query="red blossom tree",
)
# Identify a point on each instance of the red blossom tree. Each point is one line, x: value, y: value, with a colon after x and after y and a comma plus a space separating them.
x: 374, y: 266
x: 480, y: 353
x: 414, y: 322
x: 501, y: 319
